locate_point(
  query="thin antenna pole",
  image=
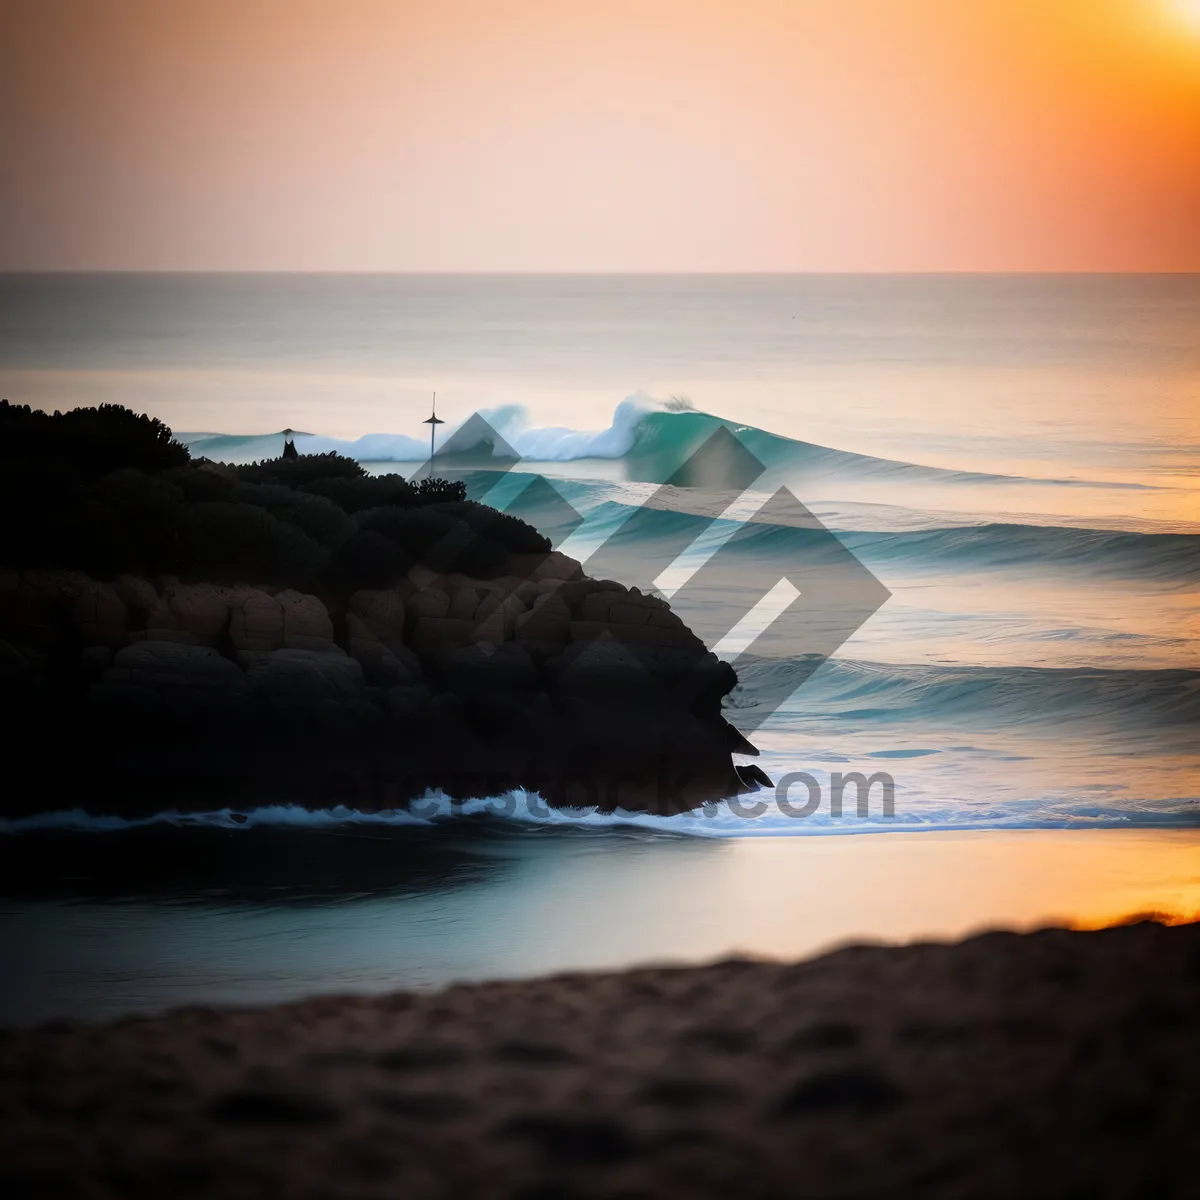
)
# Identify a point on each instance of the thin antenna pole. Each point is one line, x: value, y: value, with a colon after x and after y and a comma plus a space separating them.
x: 433, y: 422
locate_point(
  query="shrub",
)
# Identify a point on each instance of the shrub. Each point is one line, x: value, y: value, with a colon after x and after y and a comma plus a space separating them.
x: 357, y: 493
x: 40, y: 506
x: 515, y: 535
x: 416, y: 530
x: 240, y: 543
x: 441, y: 540
x: 135, y: 521
x: 316, y: 517
x: 369, y: 560
x: 93, y: 440
x: 305, y: 468
x: 107, y: 490
x: 439, y: 491
x: 371, y: 491
x: 202, y: 482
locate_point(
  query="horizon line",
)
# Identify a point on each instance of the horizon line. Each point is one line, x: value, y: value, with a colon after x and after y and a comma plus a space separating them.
x: 616, y: 274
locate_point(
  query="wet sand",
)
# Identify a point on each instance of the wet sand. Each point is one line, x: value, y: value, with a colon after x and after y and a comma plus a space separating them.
x: 1054, y: 1063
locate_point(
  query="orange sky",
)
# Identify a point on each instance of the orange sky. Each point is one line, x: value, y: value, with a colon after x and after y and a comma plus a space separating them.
x: 643, y: 135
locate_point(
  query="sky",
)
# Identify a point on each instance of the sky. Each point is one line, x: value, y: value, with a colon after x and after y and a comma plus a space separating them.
x: 578, y: 135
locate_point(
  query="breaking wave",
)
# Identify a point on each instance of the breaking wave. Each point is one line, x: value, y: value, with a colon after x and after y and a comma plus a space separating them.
x: 652, y: 438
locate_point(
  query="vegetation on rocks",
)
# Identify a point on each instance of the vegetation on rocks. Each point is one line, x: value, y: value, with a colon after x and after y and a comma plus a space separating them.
x: 301, y: 630
x: 108, y: 491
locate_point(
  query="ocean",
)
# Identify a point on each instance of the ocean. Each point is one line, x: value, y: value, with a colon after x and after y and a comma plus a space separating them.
x: 1016, y: 459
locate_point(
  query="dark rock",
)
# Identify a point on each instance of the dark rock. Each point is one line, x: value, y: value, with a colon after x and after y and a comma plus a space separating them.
x: 738, y: 743
x: 485, y: 667
x: 753, y: 777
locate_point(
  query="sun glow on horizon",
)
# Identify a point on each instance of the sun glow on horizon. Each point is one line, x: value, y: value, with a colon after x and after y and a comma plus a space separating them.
x: 1189, y: 12
x: 495, y: 135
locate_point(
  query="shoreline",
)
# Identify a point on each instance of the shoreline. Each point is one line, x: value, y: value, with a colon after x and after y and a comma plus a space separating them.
x: 432, y: 811
x: 1050, y: 1063
x: 152, y: 919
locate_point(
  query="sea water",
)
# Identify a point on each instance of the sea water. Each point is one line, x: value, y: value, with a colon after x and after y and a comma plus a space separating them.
x: 1016, y: 459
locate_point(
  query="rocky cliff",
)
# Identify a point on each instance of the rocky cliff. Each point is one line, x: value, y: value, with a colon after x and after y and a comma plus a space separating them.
x: 135, y: 695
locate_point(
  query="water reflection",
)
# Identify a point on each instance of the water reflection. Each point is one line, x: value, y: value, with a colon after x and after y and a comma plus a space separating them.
x: 277, y: 863
x: 133, y: 925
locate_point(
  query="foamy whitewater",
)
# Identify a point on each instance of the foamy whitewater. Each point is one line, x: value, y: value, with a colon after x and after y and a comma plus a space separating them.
x: 1031, y: 669
x: 1016, y: 459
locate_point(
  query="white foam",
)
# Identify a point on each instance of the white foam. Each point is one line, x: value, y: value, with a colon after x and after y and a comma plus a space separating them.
x: 552, y: 444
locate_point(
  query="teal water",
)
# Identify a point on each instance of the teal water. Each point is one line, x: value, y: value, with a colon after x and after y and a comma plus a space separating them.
x: 1016, y: 459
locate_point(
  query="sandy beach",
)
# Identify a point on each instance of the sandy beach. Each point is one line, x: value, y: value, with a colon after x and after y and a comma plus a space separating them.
x: 1056, y: 1063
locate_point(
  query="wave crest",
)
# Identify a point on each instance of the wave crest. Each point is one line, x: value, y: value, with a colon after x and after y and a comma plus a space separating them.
x: 654, y: 438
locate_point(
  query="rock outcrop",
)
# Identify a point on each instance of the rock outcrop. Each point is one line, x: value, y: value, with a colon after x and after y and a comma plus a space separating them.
x: 306, y: 624
x: 100, y: 616
x: 537, y: 678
